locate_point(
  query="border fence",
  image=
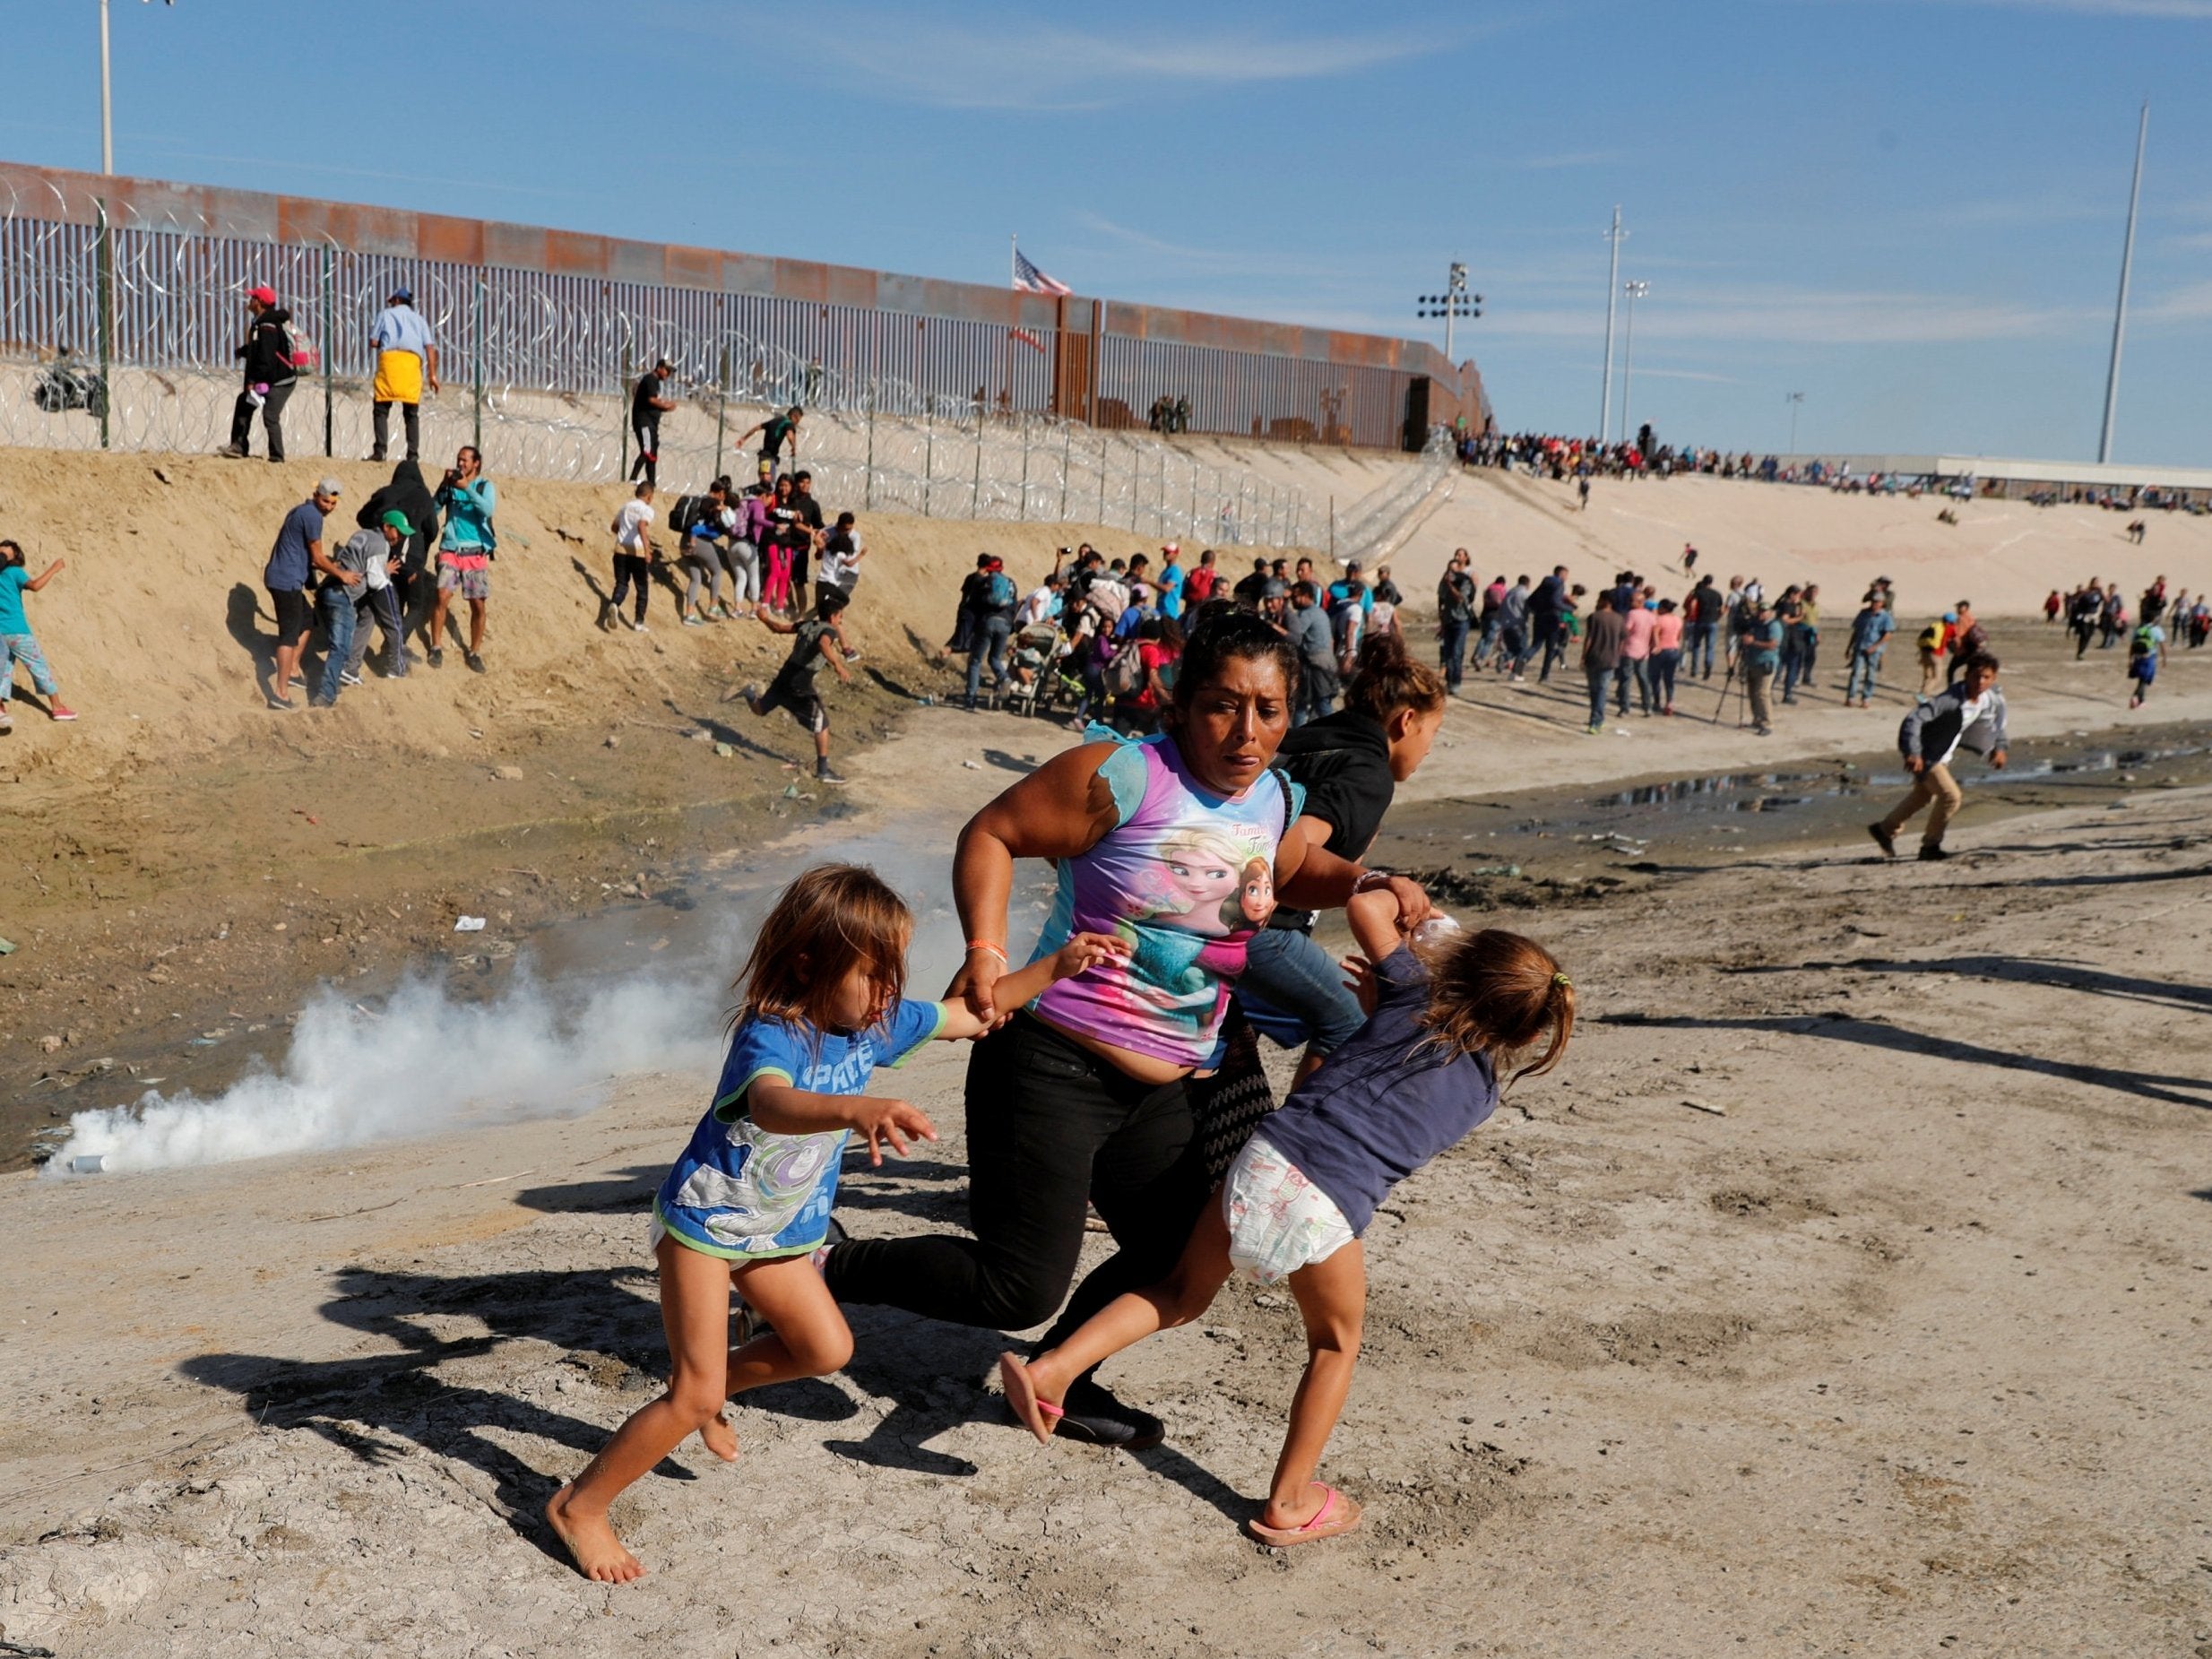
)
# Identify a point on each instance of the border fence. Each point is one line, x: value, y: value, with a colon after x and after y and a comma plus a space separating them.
x: 121, y: 304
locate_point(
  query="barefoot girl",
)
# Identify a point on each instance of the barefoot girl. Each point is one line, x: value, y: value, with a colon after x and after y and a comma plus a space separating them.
x: 749, y: 1199
x: 1420, y: 1074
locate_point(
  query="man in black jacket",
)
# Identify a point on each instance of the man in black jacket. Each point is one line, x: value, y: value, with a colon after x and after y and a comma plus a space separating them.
x: 270, y: 377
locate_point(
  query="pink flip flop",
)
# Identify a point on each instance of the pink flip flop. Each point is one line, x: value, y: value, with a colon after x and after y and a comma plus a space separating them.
x: 1337, y: 1515
x: 1038, y: 1415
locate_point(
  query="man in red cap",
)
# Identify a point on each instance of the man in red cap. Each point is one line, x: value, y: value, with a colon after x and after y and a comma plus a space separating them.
x: 267, y: 355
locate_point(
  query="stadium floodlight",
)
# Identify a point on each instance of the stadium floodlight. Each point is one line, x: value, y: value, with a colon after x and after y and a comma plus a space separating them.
x: 1453, y: 303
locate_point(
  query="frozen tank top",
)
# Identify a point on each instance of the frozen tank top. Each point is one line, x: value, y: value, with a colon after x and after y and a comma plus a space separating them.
x: 1187, y: 877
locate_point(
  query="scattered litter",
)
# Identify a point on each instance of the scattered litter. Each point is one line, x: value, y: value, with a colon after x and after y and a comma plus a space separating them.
x: 972, y: 766
x: 366, y: 1012
x: 468, y: 924
x: 200, y: 1043
x: 301, y: 812
x: 86, y: 1163
x: 724, y: 750
x: 492, y: 1180
x: 790, y: 792
x: 1718, y: 1112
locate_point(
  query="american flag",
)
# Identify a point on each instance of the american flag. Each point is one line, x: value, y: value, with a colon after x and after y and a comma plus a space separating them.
x: 1029, y: 280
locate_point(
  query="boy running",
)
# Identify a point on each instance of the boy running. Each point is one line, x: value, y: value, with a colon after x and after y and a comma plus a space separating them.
x: 818, y: 639
x: 1970, y: 715
x: 2147, y: 650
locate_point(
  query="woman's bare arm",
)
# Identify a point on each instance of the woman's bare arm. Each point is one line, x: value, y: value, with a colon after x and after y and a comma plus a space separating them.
x: 1059, y: 810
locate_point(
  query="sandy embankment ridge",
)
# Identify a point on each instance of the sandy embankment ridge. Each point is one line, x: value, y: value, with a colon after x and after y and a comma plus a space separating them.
x: 1895, y: 1356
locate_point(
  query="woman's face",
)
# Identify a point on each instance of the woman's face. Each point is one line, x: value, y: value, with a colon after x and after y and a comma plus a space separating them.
x: 1234, y: 724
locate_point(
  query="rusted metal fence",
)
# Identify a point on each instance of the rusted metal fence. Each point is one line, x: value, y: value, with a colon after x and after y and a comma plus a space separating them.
x: 933, y: 397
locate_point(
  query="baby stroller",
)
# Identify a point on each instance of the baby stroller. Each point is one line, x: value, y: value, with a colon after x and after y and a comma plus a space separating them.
x: 1035, y: 665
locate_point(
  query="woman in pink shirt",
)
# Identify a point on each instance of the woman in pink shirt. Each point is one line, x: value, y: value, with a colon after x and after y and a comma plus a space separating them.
x: 1666, y: 650
x: 1636, y: 656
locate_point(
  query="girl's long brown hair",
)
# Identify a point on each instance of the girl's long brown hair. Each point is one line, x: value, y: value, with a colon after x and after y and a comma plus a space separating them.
x: 1387, y: 677
x: 834, y: 918
x: 1496, y: 992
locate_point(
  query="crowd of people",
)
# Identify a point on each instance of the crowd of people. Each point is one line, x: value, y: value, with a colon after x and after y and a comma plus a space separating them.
x: 1102, y: 638
x: 1561, y: 457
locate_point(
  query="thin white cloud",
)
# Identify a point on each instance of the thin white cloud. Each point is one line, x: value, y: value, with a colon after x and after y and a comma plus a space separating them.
x: 2191, y: 303
x: 1579, y: 158
x: 1017, y: 62
x: 1798, y: 316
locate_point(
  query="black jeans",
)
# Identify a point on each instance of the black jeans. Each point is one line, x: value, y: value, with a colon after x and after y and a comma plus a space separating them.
x: 1050, y: 1125
x: 648, y: 462
x: 380, y: 420
x: 272, y: 419
x: 632, y: 567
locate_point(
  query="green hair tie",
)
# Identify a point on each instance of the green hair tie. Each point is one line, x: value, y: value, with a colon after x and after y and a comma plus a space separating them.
x: 1560, y: 978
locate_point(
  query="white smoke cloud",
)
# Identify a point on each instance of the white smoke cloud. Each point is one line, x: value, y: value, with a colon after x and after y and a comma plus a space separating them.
x: 427, y: 1063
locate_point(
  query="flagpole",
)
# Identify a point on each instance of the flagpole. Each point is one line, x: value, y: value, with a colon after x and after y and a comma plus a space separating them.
x: 1014, y: 261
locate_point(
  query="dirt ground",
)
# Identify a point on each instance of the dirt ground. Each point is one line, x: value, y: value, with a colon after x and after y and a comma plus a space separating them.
x: 1891, y: 1343
x: 1845, y: 1293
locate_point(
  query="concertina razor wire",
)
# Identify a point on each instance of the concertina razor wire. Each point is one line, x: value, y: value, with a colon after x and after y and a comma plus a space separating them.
x: 536, y: 369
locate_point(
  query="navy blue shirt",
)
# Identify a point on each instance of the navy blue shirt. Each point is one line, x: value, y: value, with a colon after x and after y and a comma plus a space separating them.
x: 288, y: 563
x: 1385, y: 1104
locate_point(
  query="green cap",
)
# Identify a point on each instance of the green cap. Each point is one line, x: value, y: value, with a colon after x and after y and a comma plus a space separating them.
x: 397, y: 520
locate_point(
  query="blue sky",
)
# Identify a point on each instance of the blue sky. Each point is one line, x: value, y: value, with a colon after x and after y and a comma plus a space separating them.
x: 1910, y: 211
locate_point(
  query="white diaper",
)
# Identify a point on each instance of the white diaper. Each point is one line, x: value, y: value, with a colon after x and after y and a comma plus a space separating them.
x: 1278, y: 1221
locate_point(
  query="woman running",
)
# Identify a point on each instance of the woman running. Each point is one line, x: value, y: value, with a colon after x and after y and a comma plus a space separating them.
x: 1180, y: 845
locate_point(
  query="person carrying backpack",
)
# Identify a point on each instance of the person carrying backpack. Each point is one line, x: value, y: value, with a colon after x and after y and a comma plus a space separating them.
x: 2146, y: 649
x: 995, y: 600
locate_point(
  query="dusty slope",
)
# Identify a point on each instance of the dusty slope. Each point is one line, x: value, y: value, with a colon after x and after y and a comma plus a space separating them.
x: 160, y: 631
x: 2004, y: 556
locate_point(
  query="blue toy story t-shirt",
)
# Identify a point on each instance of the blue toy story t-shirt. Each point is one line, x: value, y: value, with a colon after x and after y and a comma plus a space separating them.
x: 741, y: 1191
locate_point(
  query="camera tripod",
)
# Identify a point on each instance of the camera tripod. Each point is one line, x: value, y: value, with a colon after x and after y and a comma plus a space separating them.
x: 1731, y: 685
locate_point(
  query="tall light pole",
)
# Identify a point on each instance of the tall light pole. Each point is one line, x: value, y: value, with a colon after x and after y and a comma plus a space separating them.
x: 2120, y: 312
x: 107, y: 100
x: 1453, y: 303
x: 107, y: 97
x: 1612, y: 293
x: 1795, y: 400
x: 1635, y: 291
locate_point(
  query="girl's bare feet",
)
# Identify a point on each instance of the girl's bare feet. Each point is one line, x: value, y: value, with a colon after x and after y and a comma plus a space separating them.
x: 719, y: 1437
x: 598, y: 1553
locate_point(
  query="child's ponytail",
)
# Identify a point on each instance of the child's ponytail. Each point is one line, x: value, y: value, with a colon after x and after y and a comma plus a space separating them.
x: 1499, y: 993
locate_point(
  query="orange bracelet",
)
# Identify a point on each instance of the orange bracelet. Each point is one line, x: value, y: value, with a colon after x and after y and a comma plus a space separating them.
x: 977, y: 945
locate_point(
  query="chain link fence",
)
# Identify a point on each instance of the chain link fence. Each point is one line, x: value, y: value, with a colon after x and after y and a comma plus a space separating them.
x: 121, y: 335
